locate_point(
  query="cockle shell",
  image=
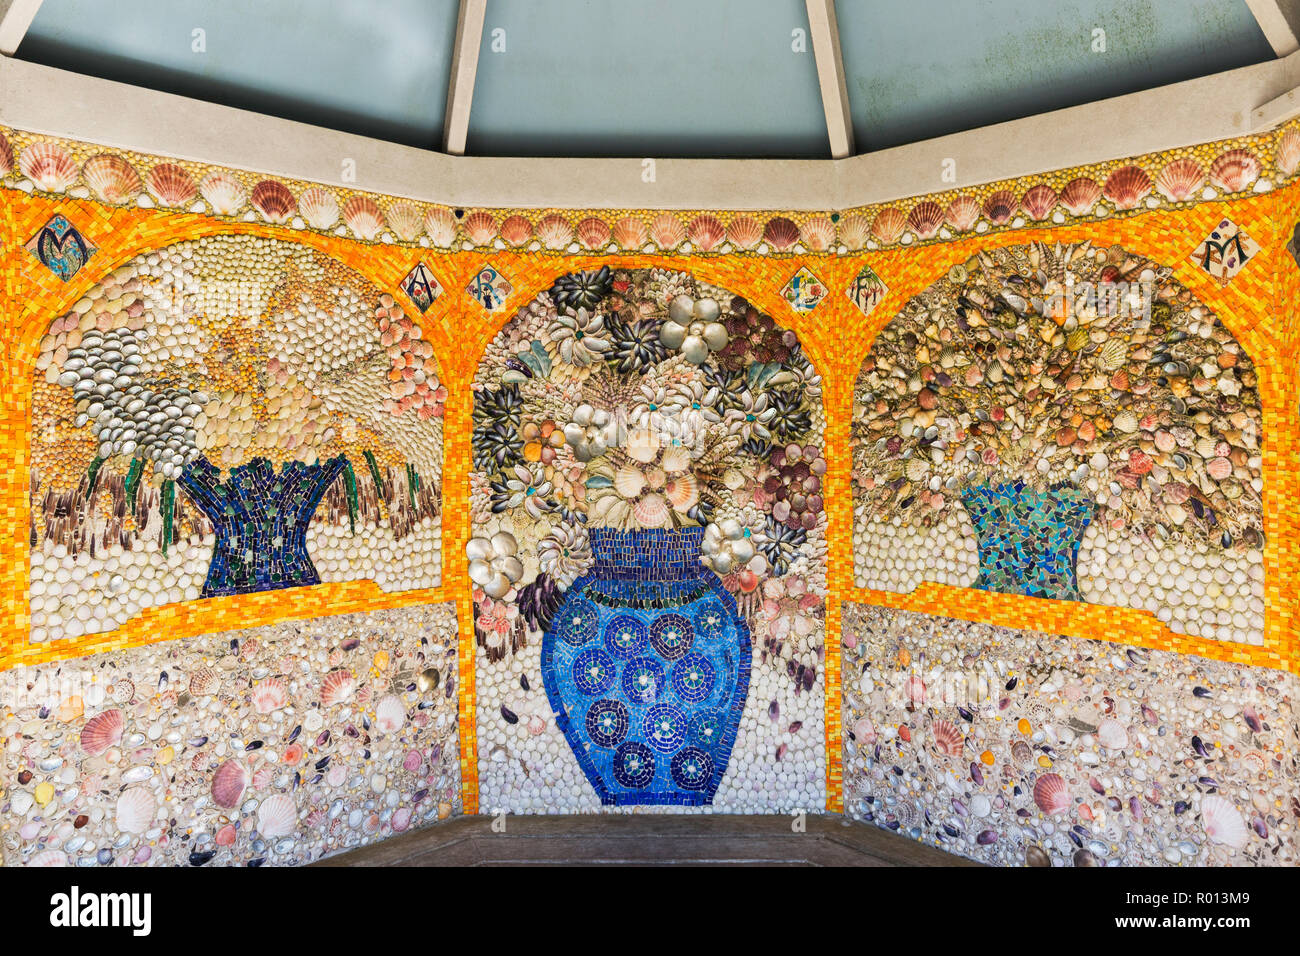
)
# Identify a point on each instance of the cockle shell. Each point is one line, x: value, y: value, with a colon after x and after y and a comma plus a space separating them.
x: 270, y: 695
x: 1179, y: 179
x: 102, y: 731
x: 363, y: 216
x: 1223, y: 822
x: 888, y: 224
x: 390, y: 714
x: 1038, y: 201
x: 947, y: 738
x: 667, y: 231
x: 925, y: 219
x: 440, y: 226
x: 1234, y: 170
x: 854, y: 231
x: 277, y: 816
x: 780, y: 233
x: 1080, y: 195
x: 319, y: 207
x: 111, y: 178
x: 817, y: 233
x: 170, y: 185
x: 229, y: 783
x: 963, y: 212
x: 135, y: 810
x: 204, y: 681
x: 1288, y: 151
x: 48, y: 166
x: 1127, y: 186
x: 479, y: 227
x: 593, y: 232
x: 706, y: 232
x: 630, y: 233
x: 1000, y: 207
x: 554, y: 231
x: 336, y: 687
x: 406, y: 219
x: 273, y: 201
x: 744, y: 232
x: 516, y: 230
x: 1051, y: 794
x: 225, y: 193
x: 1112, y: 735
x: 651, y: 511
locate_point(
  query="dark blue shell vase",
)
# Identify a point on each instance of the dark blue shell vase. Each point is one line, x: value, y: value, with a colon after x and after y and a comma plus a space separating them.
x: 646, y: 664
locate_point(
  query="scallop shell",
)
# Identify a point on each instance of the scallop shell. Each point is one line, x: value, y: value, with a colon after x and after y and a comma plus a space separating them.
x: 170, y: 185
x: 1126, y: 422
x: 1288, y: 152
x: 1038, y: 201
x: 277, y: 816
x: 817, y: 233
x: 630, y: 233
x: 1234, y: 170
x: 204, y: 681
x: 406, y: 219
x: 229, y: 783
x: 1127, y: 186
x: 1051, y: 794
x: 745, y: 232
x: 111, y: 178
x: 667, y: 231
x: 225, y: 193
x: 593, y: 232
x: 629, y: 482
x: 675, y: 459
x: 888, y: 224
x: 273, y: 201
x: 948, y: 739
x: 1112, y: 735
x: 6, y: 156
x: 1219, y: 468
x: 48, y: 166
x: 390, y: 714
x: 1113, y: 355
x: 854, y: 231
x: 925, y: 219
x: 270, y: 695
x: 319, y: 207
x: 102, y: 731
x: 440, y: 226
x: 554, y: 231
x: 1223, y: 822
x: 1080, y: 195
x: 963, y: 212
x: 363, y: 216
x: 479, y: 227
x: 1000, y: 207
x: 516, y: 230
x: 337, y: 686
x: 1179, y: 179
x: 706, y: 232
x: 683, y: 492
x: 135, y: 810
x: 48, y: 858
x: 651, y: 511
x: 780, y: 233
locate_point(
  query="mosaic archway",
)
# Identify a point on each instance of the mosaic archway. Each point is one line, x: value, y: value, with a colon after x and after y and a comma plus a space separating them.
x: 1065, y: 422
x: 228, y: 415
x: 648, y: 551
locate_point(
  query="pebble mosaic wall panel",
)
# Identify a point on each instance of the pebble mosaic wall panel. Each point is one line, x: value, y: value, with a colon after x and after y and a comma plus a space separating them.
x: 222, y: 385
x: 649, y: 551
x: 1018, y: 747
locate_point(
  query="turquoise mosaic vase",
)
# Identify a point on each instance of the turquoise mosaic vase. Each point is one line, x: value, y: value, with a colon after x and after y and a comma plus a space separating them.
x: 646, y: 665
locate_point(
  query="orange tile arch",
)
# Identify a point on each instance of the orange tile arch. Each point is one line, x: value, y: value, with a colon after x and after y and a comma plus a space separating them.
x: 1257, y: 307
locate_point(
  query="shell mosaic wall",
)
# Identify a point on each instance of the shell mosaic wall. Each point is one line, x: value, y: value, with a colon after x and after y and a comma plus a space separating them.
x: 335, y: 514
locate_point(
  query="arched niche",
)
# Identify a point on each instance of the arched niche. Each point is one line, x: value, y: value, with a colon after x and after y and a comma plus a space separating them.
x: 1066, y: 422
x: 227, y: 415
x: 635, y: 429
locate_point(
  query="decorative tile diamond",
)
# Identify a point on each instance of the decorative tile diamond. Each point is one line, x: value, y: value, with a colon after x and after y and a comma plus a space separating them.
x: 421, y: 286
x: 1224, y: 252
x: 866, y: 290
x: 804, y: 291
x: 490, y: 288
x: 61, y: 248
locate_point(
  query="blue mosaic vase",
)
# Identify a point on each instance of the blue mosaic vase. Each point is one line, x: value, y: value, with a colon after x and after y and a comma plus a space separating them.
x: 646, y: 664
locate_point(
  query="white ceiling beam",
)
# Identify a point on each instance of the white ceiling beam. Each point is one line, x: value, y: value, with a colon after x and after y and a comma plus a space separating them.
x: 464, y: 67
x: 16, y: 17
x: 830, y: 76
x: 1278, y: 19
